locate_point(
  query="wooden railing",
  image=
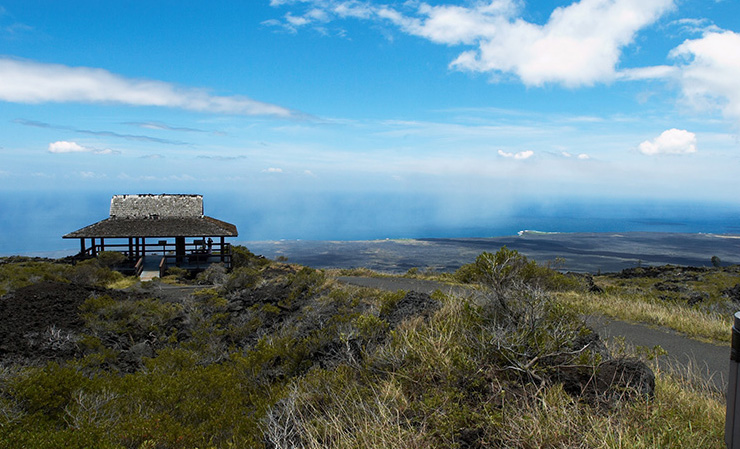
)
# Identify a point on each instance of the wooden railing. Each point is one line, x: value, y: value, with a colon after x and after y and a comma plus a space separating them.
x: 139, y: 267
x: 193, y: 251
x: 196, y: 256
x: 162, y: 267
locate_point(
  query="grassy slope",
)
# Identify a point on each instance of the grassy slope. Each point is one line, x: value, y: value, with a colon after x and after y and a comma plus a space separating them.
x: 280, y: 356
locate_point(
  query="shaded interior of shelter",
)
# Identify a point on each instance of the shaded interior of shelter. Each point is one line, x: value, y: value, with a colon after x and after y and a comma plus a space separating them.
x: 170, y: 230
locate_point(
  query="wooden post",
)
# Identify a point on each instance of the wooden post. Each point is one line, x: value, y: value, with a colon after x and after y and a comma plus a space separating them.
x: 732, y: 413
x: 180, y: 249
x: 82, y: 246
x: 102, y: 244
x: 143, y: 246
x: 94, y: 249
x: 222, y: 250
x: 131, y: 248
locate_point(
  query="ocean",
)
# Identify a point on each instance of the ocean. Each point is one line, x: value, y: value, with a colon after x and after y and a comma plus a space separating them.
x: 34, y: 222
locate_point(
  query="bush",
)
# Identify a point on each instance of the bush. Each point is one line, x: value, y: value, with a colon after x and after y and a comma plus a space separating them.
x: 91, y: 272
x: 110, y: 259
x: 242, y: 257
x: 508, y: 268
x: 22, y: 274
x: 215, y: 274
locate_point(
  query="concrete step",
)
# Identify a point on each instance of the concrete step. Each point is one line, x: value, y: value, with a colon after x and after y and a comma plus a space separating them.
x: 151, y: 268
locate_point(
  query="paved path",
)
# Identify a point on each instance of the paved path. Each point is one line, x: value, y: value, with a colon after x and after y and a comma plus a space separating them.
x: 713, y: 361
x: 151, y: 268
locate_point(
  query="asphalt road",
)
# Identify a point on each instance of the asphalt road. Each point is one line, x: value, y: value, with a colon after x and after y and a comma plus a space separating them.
x: 712, y: 361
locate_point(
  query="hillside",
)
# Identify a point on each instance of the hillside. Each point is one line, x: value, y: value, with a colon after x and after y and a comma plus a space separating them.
x: 280, y: 355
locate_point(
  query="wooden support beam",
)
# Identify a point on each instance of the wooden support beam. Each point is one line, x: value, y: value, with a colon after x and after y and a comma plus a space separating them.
x: 180, y: 249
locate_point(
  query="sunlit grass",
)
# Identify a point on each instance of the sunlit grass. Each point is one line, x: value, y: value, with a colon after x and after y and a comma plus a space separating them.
x: 124, y: 283
x: 693, y: 322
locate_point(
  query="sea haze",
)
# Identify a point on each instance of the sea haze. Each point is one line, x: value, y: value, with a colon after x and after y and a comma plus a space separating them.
x: 33, y: 222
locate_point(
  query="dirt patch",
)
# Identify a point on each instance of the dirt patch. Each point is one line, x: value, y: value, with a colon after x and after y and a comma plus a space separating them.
x: 42, y: 321
x: 412, y: 305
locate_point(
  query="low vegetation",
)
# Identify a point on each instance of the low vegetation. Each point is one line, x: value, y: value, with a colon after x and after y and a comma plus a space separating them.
x: 697, y: 302
x: 275, y: 355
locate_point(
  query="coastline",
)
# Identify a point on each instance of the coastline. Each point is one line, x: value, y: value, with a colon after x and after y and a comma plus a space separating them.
x: 580, y: 252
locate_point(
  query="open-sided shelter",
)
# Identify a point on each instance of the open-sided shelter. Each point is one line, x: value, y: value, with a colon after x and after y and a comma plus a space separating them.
x: 184, y: 234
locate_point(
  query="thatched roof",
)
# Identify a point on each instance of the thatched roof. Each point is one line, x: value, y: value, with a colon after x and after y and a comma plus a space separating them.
x: 156, y: 216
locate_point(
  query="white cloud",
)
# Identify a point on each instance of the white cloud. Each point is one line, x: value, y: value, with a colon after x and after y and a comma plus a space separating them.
x: 66, y: 147
x: 582, y: 156
x: 90, y: 175
x: 710, y: 75
x: 646, y: 73
x: 272, y: 170
x: 672, y: 141
x: 63, y: 146
x: 33, y: 82
x: 106, y: 151
x: 520, y: 155
x: 581, y: 44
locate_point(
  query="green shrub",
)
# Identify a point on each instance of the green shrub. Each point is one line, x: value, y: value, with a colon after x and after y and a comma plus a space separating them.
x: 45, y: 392
x: 132, y: 320
x: 16, y: 275
x: 215, y: 274
x: 509, y: 269
x: 305, y: 283
x: 242, y: 257
x: 110, y: 259
x: 240, y: 278
x: 91, y: 272
x: 176, y: 274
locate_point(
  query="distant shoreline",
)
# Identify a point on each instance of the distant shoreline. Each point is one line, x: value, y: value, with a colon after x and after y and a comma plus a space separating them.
x: 576, y: 251
x: 581, y: 252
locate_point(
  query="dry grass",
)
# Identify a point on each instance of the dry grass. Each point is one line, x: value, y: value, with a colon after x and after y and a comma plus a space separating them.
x: 695, y: 323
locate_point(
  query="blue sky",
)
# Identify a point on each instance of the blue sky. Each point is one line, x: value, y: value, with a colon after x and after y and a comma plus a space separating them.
x: 472, y: 103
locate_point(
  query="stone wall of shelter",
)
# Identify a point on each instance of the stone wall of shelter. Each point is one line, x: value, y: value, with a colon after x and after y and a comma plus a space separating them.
x: 156, y: 206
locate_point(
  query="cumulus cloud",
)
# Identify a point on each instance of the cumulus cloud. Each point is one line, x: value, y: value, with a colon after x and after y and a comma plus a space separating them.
x: 710, y: 72
x: 520, y: 155
x: 580, y: 44
x: 33, y: 82
x: 672, y: 141
x: 272, y: 170
x: 66, y: 147
x: 63, y: 146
